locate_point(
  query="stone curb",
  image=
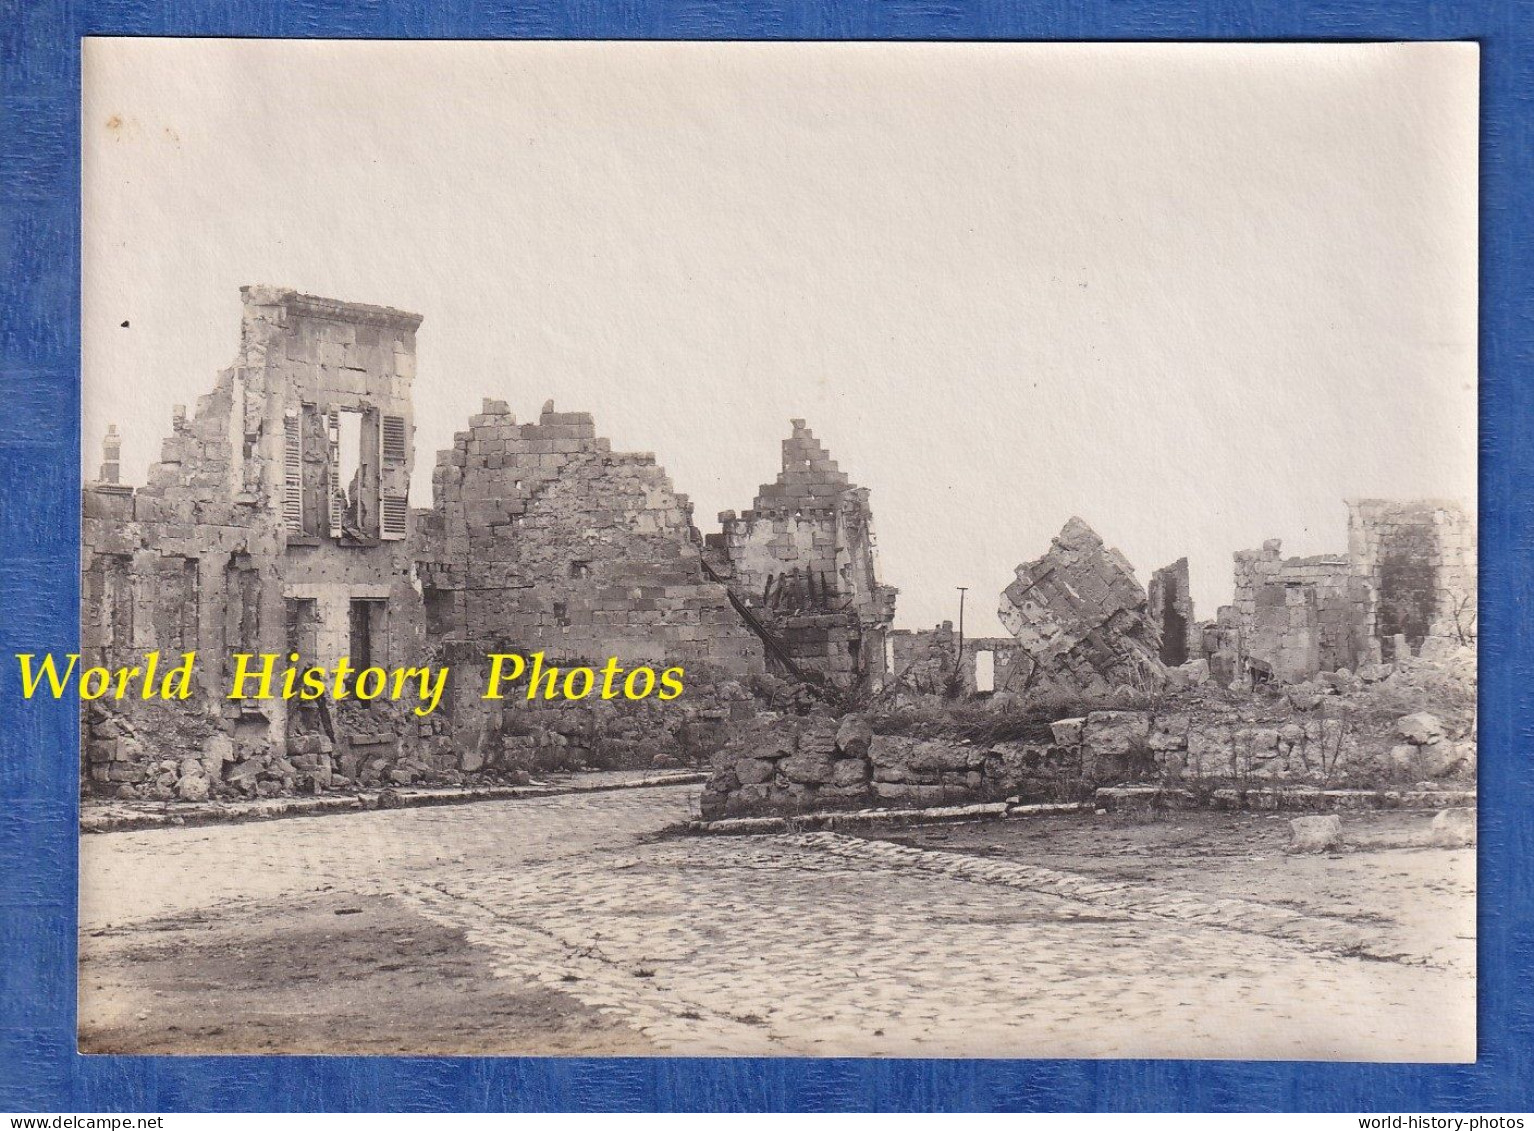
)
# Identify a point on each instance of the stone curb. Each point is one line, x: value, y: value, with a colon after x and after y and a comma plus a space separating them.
x: 1111, y: 798
x: 811, y: 822
x: 1115, y: 798
x: 175, y: 815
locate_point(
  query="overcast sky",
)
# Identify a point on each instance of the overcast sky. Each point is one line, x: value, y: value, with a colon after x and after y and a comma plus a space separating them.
x: 1196, y: 295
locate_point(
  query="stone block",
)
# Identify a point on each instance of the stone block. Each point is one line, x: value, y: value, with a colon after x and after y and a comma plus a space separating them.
x: 753, y: 771
x: 854, y: 736
x: 849, y: 772
x: 944, y: 757
x: 1315, y: 834
x: 1453, y: 828
x: 1420, y: 728
x: 811, y: 768
x: 1068, y: 732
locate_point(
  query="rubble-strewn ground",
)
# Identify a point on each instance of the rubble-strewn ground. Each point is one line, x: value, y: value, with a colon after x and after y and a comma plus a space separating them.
x: 564, y: 925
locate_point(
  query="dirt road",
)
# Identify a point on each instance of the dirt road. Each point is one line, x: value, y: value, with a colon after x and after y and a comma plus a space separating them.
x: 567, y: 925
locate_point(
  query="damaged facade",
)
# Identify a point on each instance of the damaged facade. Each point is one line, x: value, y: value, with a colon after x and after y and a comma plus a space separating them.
x: 277, y: 521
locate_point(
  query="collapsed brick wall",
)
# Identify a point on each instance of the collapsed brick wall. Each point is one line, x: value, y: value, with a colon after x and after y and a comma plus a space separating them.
x: 1082, y: 618
x: 228, y: 548
x: 803, y: 559
x: 542, y: 539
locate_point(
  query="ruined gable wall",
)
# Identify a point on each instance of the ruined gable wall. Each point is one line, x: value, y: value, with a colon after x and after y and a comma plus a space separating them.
x: 804, y: 558
x: 551, y: 540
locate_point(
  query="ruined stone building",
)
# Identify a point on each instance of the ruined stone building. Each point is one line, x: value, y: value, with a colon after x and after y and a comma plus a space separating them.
x: 276, y: 520
x: 1293, y: 617
x: 803, y: 562
x: 1408, y: 577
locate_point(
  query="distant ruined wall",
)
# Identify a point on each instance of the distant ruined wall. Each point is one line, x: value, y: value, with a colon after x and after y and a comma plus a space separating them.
x: 925, y: 662
x: 1420, y: 559
x: 1170, y: 600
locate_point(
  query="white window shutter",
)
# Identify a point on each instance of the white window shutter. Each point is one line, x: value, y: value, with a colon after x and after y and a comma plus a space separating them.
x: 393, y: 438
x: 333, y: 430
x: 293, y: 472
x: 396, y: 512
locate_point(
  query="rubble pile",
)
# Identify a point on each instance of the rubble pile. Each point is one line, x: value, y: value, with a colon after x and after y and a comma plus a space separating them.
x: 1347, y: 732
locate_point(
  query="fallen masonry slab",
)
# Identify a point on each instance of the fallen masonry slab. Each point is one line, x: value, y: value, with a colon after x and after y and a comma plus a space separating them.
x: 1082, y: 618
x: 120, y: 818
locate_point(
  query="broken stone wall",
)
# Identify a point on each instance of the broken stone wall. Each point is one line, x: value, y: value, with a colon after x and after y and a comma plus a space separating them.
x: 1300, y: 616
x: 925, y: 663
x: 1420, y: 559
x: 542, y: 539
x: 798, y: 765
x: 1082, y: 619
x: 1170, y: 599
x: 1410, y: 572
x: 803, y: 559
x: 1343, y: 733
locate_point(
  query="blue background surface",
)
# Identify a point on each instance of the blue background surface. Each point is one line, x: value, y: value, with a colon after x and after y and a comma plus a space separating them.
x: 39, y: 589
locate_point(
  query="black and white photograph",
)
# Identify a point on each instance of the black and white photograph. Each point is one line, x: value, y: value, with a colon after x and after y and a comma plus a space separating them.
x: 913, y: 550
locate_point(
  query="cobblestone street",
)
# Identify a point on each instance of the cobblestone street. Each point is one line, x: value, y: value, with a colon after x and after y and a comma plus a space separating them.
x: 825, y: 944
